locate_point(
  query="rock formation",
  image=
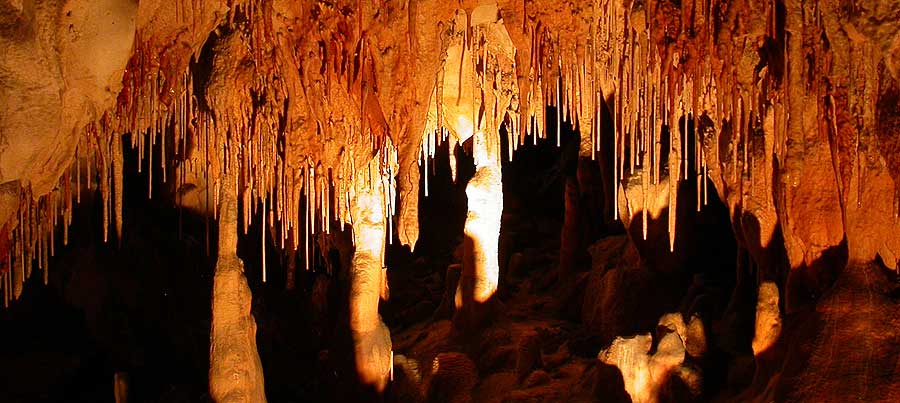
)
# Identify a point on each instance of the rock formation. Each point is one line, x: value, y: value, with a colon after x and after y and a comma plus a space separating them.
x: 235, y: 372
x: 645, y: 373
x: 303, y: 116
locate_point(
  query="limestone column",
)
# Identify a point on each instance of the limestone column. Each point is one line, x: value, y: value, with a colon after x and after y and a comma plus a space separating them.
x: 235, y: 371
x: 371, y: 338
x: 481, y: 270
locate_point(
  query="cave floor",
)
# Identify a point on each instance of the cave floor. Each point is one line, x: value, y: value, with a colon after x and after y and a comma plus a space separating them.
x: 534, y: 349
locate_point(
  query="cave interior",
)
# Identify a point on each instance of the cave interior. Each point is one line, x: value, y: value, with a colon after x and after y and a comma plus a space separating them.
x: 449, y: 201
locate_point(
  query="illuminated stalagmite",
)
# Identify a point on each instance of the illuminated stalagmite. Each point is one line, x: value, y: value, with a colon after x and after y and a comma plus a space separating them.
x: 473, y: 98
x: 481, y: 269
x: 235, y: 371
x: 371, y: 338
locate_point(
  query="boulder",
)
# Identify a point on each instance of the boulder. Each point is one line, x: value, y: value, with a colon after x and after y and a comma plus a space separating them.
x: 662, y: 374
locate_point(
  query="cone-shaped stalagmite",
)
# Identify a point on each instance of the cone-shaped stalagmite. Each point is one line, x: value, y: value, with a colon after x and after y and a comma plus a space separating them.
x: 371, y: 338
x: 235, y: 371
x: 583, y: 204
x: 481, y: 270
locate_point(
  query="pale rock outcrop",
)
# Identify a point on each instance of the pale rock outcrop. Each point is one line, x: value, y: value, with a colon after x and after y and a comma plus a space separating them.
x: 452, y: 378
x: 768, y: 318
x: 61, y: 69
x: 647, y: 375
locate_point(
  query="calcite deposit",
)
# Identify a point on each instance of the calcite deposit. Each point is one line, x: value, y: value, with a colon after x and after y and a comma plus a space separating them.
x: 313, y: 117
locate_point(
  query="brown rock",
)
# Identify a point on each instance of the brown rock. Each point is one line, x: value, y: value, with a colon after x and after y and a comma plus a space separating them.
x: 768, y: 318
x: 537, y: 378
x: 447, y: 305
x: 453, y: 377
x: 528, y: 356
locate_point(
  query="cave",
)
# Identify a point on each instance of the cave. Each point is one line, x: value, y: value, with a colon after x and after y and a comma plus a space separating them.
x: 449, y: 201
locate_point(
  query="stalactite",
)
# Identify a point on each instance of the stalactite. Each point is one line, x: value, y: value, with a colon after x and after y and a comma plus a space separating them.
x: 735, y: 134
x: 313, y: 198
x: 645, y: 193
x: 684, y: 129
x: 4, y: 281
x: 117, y: 162
x: 154, y: 83
x: 45, y: 256
x: 425, y: 164
x: 78, y: 158
x: 674, y: 171
x: 262, y: 230
x: 18, y: 271
x: 7, y: 292
x: 67, y: 209
x: 617, y: 157
x: 306, y: 218
x: 744, y: 125
x: 558, y: 106
x: 104, y: 187
x: 895, y: 210
x: 52, y: 224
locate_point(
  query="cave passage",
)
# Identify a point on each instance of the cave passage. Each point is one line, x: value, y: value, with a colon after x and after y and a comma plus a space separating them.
x: 432, y: 201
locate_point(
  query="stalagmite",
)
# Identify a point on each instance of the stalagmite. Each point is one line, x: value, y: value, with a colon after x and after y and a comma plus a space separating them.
x: 371, y: 338
x: 235, y: 371
x: 481, y: 269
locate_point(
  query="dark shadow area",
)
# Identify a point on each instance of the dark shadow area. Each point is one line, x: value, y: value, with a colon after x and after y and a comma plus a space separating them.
x: 143, y: 309
x: 417, y: 279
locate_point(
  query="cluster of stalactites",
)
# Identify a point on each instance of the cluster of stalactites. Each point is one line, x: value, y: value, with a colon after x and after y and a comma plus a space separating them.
x: 177, y: 139
x: 659, y: 94
x: 475, y: 91
x: 149, y: 107
x: 309, y: 193
x: 31, y: 235
x: 707, y: 93
x: 666, y: 87
x: 31, y: 239
x: 650, y: 99
x: 675, y: 87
